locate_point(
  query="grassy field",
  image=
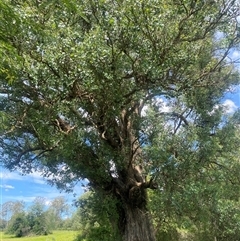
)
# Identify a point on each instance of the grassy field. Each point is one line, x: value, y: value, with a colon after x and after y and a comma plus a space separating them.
x: 55, y: 236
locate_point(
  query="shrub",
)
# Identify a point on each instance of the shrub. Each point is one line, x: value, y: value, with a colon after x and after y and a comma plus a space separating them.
x: 18, y: 225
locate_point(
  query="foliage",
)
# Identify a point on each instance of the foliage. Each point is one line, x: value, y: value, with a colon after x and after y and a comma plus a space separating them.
x: 37, y: 220
x: 36, y: 217
x: 10, y: 208
x: 23, y: 224
x: 97, y: 221
x: 18, y: 225
x: 54, y: 215
x: 3, y: 224
x: 195, y: 197
x: 126, y: 94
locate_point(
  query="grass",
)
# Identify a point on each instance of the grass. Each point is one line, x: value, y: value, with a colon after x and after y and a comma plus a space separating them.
x: 55, y: 236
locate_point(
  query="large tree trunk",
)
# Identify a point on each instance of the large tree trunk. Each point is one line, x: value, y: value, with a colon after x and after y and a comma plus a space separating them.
x: 134, y: 218
x: 129, y: 183
x: 138, y: 226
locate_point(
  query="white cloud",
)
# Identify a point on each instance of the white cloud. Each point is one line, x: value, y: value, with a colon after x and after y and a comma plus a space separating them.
x: 163, y: 106
x: 236, y: 54
x: 6, y: 175
x: 144, y: 110
x: 219, y: 35
x: 6, y: 186
x: 48, y: 202
x: 35, y: 177
x: 229, y: 106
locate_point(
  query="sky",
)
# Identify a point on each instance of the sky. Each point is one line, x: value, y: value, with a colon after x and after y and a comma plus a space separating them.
x: 16, y: 187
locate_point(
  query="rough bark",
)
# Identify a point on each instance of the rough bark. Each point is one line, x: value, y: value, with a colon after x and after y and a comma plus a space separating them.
x: 135, y: 222
x: 138, y: 226
x: 134, y: 218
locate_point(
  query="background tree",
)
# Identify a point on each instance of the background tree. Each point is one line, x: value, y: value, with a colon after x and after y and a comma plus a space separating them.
x: 55, y: 213
x: 36, y: 217
x: 96, y: 221
x: 18, y: 225
x: 77, y: 77
x: 40, y: 218
x: 10, y: 209
x: 3, y: 222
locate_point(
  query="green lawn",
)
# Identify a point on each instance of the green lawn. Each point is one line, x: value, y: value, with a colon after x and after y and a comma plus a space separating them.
x: 55, y: 236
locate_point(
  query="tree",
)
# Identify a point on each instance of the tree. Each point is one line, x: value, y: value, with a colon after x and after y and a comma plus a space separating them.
x: 194, y: 195
x: 96, y: 221
x: 10, y: 209
x: 3, y: 224
x: 36, y: 217
x: 58, y: 207
x: 18, y: 225
x: 83, y: 90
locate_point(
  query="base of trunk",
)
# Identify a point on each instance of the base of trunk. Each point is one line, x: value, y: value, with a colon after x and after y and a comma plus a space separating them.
x: 138, y: 226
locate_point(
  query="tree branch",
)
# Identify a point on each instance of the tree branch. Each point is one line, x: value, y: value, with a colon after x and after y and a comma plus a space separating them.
x: 150, y: 184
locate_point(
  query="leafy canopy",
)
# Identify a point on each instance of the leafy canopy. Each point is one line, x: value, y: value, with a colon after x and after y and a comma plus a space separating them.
x: 77, y: 76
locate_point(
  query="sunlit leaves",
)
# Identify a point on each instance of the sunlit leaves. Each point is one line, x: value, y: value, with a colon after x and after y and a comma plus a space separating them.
x: 88, y: 86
